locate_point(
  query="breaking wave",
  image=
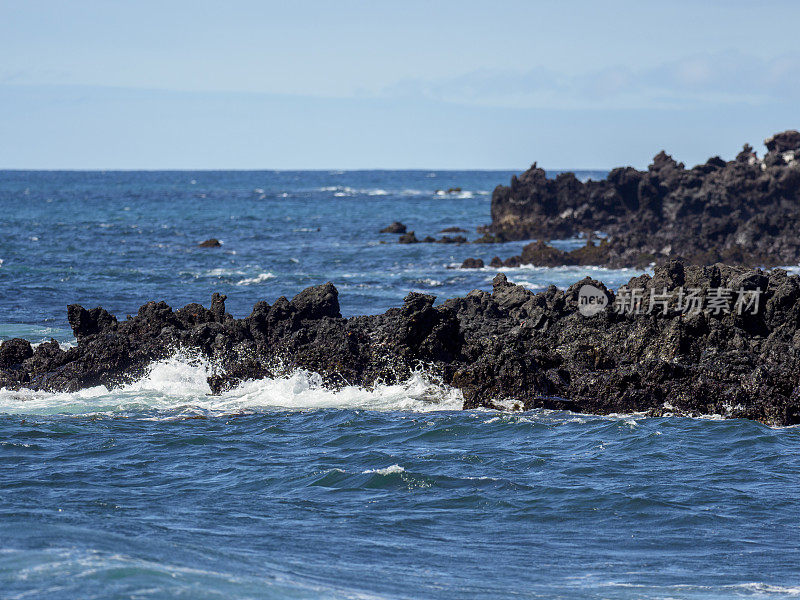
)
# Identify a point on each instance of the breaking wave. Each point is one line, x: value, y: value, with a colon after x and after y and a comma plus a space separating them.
x: 178, y: 386
x: 260, y: 278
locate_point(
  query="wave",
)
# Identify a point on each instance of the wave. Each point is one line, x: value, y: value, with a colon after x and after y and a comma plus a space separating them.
x: 90, y: 572
x: 261, y: 278
x: 386, y: 471
x: 216, y: 273
x: 429, y: 282
x: 179, y: 387
x: 341, y: 191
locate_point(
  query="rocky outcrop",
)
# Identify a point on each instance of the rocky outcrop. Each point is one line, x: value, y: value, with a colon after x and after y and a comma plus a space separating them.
x: 510, y: 347
x: 408, y: 238
x: 210, y: 243
x: 396, y: 227
x: 472, y: 263
x: 745, y: 211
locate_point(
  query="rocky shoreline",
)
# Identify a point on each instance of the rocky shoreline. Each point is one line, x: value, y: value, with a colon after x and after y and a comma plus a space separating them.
x: 744, y: 212
x: 509, y: 348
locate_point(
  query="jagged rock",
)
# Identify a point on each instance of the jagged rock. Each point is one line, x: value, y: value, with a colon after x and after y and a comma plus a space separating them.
x: 88, y: 322
x: 194, y: 314
x: 539, y: 253
x: 218, y: 307
x: 14, y: 351
x: 507, y: 347
x: 488, y: 238
x: 396, y: 227
x: 472, y: 263
x: 318, y: 302
x: 408, y: 238
x: 781, y: 142
x: 745, y: 211
x: 446, y: 239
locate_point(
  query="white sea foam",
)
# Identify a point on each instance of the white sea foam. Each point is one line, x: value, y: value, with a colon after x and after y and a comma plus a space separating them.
x: 261, y: 278
x: 179, y: 385
x: 749, y: 590
x: 341, y: 191
x: 429, y: 282
x: 222, y: 272
x: 387, y: 471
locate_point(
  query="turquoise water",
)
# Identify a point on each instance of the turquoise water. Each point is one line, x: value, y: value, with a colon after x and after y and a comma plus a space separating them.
x: 284, y: 489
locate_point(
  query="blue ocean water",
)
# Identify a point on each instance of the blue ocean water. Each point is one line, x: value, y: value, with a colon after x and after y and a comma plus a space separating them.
x: 284, y: 489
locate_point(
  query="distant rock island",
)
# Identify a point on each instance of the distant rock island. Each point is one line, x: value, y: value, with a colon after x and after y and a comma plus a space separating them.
x: 745, y: 211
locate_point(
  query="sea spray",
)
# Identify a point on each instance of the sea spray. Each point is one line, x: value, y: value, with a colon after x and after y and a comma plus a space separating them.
x: 178, y: 385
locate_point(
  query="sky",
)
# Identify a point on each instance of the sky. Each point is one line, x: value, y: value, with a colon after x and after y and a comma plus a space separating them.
x: 371, y: 84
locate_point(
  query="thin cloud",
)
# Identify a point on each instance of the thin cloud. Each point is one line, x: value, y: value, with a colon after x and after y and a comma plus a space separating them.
x: 691, y: 82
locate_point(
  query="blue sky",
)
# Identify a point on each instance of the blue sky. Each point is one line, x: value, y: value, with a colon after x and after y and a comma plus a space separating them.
x: 357, y: 84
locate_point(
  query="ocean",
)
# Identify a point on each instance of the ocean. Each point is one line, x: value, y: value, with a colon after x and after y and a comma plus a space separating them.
x: 282, y: 488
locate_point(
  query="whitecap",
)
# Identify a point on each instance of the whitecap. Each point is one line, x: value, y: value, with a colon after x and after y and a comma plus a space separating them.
x: 261, y: 278
x: 222, y: 272
x: 386, y: 471
x: 430, y: 282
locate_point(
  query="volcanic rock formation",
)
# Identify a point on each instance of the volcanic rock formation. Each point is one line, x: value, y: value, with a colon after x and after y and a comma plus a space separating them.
x: 509, y: 348
x: 745, y: 211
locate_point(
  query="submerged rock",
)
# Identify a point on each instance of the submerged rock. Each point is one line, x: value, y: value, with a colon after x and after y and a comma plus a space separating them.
x: 500, y: 348
x: 210, y: 243
x: 446, y: 239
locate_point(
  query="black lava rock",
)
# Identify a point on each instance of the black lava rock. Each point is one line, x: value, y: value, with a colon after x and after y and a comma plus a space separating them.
x: 508, y: 347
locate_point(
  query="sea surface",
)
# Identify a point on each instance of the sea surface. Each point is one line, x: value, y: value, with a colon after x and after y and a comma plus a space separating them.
x: 282, y: 488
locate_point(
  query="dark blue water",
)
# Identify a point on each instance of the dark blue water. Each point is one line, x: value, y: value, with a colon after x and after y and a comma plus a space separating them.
x: 121, y: 239
x: 284, y: 489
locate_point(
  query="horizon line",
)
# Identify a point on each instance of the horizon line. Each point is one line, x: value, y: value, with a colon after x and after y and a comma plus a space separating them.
x: 292, y: 170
